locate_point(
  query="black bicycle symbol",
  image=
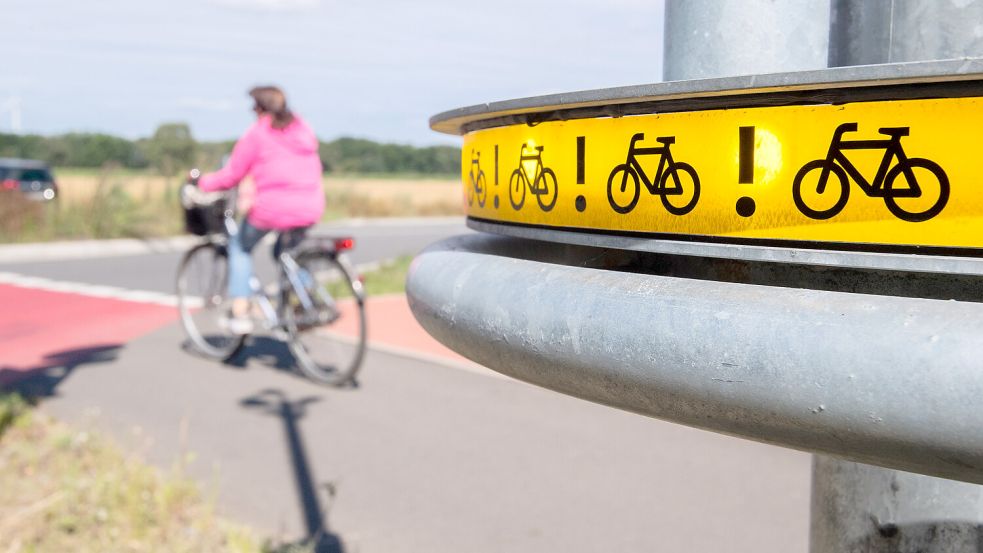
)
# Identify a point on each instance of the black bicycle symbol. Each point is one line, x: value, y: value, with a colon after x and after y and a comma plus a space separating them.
x: 477, y: 177
x: 883, y: 185
x: 543, y: 183
x: 679, y: 198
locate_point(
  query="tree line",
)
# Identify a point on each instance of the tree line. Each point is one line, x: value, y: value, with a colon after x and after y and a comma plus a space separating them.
x: 172, y: 148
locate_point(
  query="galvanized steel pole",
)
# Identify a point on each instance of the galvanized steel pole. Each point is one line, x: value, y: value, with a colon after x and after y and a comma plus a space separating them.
x: 864, y: 32
x: 858, y: 507
x: 721, y: 38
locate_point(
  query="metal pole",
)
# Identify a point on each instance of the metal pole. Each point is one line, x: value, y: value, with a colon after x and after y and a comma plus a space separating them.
x: 723, y: 38
x: 855, y: 507
x: 858, y: 507
x: 863, y: 32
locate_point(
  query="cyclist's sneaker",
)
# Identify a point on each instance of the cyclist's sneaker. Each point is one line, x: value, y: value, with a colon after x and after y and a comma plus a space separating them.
x: 327, y: 314
x: 238, y: 325
x: 321, y: 315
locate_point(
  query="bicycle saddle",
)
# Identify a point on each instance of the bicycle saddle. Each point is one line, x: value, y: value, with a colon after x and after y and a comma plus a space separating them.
x: 894, y: 131
x: 539, y: 148
x: 290, y: 240
x: 667, y: 140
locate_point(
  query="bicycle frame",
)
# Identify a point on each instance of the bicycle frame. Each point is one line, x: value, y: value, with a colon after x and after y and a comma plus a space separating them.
x: 538, y: 158
x: 665, y: 160
x: 475, y: 168
x: 289, y: 273
x: 875, y: 187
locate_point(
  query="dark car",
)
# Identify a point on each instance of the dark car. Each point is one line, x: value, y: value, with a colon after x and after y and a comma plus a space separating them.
x: 33, y: 178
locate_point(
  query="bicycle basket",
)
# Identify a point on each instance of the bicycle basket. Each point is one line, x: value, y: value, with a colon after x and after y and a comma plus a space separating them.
x: 205, y: 219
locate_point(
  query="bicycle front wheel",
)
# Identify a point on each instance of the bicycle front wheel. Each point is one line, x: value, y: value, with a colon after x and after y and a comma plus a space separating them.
x: 546, y: 189
x: 921, y: 192
x: 481, y: 189
x: 203, y: 302
x: 328, y: 341
x: 681, y: 189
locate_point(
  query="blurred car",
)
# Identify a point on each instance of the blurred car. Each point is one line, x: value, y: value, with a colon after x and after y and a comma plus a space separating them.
x: 32, y: 177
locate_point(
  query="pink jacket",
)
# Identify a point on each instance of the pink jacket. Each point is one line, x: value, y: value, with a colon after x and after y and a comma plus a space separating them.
x: 286, y: 168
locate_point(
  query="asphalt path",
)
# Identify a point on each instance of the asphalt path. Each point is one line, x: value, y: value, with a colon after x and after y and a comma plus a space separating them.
x: 419, y: 457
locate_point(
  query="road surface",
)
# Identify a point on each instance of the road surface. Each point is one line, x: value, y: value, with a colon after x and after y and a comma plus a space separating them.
x: 421, y: 456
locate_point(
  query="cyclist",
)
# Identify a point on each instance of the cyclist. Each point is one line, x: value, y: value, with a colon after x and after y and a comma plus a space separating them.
x: 280, y: 152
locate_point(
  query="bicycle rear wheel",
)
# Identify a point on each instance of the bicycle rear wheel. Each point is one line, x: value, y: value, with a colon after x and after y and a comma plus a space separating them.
x: 202, y: 291
x: 327, y: 341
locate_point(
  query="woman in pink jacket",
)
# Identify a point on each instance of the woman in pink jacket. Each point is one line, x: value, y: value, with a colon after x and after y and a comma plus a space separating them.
x: 280, y: 152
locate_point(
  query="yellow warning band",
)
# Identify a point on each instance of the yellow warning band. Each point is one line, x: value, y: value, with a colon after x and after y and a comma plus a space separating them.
x: 878, y: 173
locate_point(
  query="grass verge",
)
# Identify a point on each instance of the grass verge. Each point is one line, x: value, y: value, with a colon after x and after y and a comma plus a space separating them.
x: 62, y: 489
x: 388, y: 278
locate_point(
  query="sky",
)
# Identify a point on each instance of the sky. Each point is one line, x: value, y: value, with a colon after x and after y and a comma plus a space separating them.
x: 375, y: 69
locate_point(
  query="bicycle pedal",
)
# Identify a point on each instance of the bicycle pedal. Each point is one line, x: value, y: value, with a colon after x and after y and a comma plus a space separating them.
x: 328, y: 317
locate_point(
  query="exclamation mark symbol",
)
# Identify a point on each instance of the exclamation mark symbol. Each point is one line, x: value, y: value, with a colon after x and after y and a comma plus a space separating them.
x: 496, y: 176
x: 745, y: 174
x: 581, y: 201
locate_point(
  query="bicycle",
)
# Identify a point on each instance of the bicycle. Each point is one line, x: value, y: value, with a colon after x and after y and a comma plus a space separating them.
x: 882, y: 186
x: 659, y: 186
x: 543, y: 184
x: 478, y: 188
x: 299, y: 309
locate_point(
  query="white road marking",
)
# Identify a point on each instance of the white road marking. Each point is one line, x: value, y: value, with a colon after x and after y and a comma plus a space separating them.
x: 92, y: 290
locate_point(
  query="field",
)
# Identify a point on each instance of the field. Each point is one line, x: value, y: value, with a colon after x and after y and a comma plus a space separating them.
x: 391, y: 197
x: 117, y: 203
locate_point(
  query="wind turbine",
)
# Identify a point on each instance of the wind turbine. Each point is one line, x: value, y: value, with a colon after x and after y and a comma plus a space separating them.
x: 12, y: 105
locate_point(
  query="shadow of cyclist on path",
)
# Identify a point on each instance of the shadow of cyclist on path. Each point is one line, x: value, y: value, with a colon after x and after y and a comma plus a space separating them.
x: 275, y: 402
x: 43, y: 379
x: 267, y: 350
x: 275, y: 354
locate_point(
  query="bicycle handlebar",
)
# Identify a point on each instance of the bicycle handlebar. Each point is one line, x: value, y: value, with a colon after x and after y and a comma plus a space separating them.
x: 193, y: 176
x: 845, y: 128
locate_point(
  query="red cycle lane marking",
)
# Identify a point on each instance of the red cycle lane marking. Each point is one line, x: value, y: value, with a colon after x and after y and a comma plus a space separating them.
x: 39, y: 327
x: 391, y: 323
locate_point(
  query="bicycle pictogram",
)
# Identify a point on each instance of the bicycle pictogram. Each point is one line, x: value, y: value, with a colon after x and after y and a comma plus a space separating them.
x: 477, y: 176
x: 676, y: 183
x: 542, y: 185
x: 928, y: 190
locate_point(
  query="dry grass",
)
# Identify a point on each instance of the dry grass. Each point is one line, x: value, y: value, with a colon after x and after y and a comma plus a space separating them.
x: 79, y: 186
x: 63, y: 489
x: 106, y: 204
x: 374, y: 197
x: 117, y: 203
x: 348, y: 196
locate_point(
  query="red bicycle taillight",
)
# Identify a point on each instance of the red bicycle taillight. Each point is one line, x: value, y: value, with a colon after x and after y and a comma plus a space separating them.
x: 10, y: 184
x: 342, y: 244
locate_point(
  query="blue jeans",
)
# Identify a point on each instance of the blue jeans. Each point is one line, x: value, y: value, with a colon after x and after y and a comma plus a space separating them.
x: 240, y: 248
x: 241, y: 245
